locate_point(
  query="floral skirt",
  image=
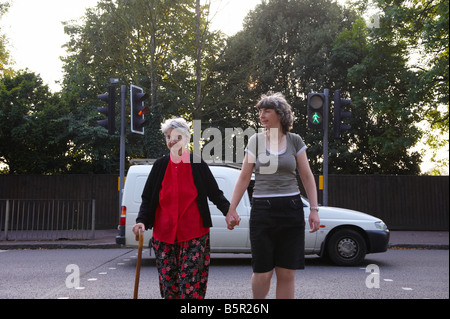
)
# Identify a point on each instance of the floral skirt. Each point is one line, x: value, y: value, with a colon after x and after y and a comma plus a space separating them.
x: 183, y: 268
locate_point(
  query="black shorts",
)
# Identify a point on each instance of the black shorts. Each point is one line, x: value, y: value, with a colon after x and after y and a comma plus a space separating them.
x: 277, y: 233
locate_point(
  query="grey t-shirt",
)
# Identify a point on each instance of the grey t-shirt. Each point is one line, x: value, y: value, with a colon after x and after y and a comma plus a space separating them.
x: 275, y: 173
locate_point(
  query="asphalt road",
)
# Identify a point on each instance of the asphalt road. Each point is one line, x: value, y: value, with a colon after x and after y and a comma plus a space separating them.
x: 110, y: 274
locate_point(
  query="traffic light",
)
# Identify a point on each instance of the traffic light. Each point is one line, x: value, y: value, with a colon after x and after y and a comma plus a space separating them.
x: 109, y: 111
x: 138, y: 109
x: 339, y: 114
x: 316, y: 104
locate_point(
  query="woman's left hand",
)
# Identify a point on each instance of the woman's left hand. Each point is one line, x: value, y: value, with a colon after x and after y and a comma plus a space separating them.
x: 314, y: 221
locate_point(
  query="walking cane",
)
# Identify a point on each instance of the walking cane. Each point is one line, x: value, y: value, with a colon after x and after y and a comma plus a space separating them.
x: 139, y: 238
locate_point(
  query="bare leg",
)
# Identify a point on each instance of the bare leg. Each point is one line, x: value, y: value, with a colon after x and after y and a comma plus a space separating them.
x: 285, y: 283
x: 261, y: 284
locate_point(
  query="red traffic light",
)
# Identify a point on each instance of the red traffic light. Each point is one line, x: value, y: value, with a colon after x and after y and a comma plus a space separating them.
x: 137, y: 97
x: 144, y: 111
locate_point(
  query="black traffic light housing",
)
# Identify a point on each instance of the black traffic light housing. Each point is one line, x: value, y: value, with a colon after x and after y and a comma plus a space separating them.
x: 316, y: 106
x: 138, y: 109
x: 339, y: 114
x: 109, y: 110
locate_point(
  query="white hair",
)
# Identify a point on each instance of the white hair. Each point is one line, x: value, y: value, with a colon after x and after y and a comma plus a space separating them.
x: 177, y: 123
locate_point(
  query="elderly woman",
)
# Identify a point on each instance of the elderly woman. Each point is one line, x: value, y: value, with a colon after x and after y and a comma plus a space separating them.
x: 277, y: 224
x: 174, y: 204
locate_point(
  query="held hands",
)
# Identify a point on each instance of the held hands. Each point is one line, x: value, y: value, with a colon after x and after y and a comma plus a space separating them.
x: 232, y: 219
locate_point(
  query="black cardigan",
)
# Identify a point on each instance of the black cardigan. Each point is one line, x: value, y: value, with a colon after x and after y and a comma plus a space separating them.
x: 204, y: 182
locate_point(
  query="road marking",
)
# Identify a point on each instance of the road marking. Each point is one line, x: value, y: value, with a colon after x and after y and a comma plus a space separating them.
x: 92, y: 279
x: 388, y: 280
x: 407, y: 289
x: 102, y: 273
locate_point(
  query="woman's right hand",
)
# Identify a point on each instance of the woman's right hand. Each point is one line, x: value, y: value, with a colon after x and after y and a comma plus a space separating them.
x: 137, y: 227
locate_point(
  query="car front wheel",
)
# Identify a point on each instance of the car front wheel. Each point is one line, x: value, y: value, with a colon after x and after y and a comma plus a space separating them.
x: 346, y: 247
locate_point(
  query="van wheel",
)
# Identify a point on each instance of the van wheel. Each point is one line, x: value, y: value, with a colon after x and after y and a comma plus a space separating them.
x: 346, y: 247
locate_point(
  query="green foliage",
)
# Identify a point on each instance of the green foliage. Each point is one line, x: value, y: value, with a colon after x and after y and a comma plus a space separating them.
x: 420, y: 28
x: 291, y: 46
x: 32, y: 126
x: 303, y: 46
x: 285, y: 46
x: 384, y: 116
x: 147, y: 43
x: 5, y: 58
x: 424, y: 26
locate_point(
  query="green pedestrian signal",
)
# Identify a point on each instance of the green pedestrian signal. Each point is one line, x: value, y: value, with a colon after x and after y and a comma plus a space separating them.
x: 316, y: 103
x: 317, y: 119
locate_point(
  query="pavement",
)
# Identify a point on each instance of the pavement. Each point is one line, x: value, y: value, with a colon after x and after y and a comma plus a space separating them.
x: 105, y: 239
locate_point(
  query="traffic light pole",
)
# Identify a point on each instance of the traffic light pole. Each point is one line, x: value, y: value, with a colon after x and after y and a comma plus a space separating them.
x: 318, y: 108
x: 123, y: 96
x: 325, y: 147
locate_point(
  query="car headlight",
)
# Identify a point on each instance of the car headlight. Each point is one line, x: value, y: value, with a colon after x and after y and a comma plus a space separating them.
x: 380, y: 225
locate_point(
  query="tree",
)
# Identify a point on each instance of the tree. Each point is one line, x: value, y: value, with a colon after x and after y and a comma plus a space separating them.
x: 423, y: 27
x: 144, y: 42
x: 383, y: 116
x: 285, y: 46
x: 302, y: 46
x: 32, y: 126
x: 5, y: 58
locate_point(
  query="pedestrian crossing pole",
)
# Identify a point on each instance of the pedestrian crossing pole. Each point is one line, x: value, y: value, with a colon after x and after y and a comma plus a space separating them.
x: 318, y: 119
x: 123, y: 97
x: 326, y: 109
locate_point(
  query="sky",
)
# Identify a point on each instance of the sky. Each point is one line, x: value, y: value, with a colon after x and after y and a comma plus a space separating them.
x: 36, y: 35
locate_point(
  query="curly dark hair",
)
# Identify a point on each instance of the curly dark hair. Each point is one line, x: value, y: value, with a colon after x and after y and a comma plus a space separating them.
x: 278, y: 102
